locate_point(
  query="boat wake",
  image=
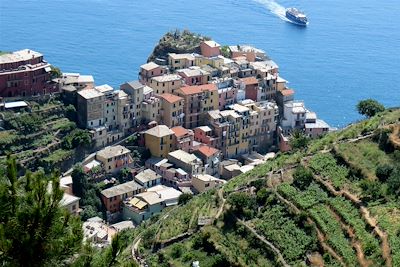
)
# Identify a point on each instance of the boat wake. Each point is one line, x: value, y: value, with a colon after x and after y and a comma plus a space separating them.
x: 274, y: 8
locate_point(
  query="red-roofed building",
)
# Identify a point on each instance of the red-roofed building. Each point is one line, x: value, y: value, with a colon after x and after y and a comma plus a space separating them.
x: 171, y: 109
x: 210, y: 48
x: 199, y: 99
x: 210, y: 157
x: 183, y: 138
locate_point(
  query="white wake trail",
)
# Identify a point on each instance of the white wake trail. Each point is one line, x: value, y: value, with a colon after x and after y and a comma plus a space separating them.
x: 274, y: 8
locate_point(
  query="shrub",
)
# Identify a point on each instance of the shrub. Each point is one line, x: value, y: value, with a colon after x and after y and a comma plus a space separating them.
x: 302, y: 177
x: 184, y: 198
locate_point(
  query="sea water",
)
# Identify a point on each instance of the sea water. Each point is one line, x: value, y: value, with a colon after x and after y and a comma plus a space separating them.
x: 349, y: 51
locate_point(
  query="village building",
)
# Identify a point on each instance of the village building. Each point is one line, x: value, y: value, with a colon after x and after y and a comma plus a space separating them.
x: 171, y: 110
x: 180, y: 61
x: 167, y: 83
x: 25, y: 73
x: 183, y: 138
x: 159, y: 140
x: 205, y: 182
x: 114, y: 158
x: 210, y: 48
x: 198, y: 100
x: 112, y: 197
x: 149, y: 70
x: 148, y: 178
x: 210, y: 157
x: 188, y: 162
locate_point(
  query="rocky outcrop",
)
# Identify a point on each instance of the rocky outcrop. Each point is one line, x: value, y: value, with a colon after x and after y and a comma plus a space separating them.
x: 179, y: 42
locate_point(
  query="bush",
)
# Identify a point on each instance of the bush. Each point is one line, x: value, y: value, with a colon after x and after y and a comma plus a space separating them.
x: 243, y: 205
x: 302, y: 177
x: 394, y: 182
x: 299, y: 140
x: 369, y: 107
x: 184, y: 198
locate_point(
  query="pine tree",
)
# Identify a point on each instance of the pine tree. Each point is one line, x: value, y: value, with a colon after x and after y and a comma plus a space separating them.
x: 34, y: 229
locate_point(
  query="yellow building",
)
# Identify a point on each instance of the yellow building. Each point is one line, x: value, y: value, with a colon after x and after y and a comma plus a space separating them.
x: 114, y: 158
x: 159, y: 140
x: 171, y: 110
x: 205, y: 182
x: 180, y: 61
x: 166, y: 84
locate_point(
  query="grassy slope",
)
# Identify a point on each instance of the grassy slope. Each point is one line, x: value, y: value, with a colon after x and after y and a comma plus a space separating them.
x: 338, y: 220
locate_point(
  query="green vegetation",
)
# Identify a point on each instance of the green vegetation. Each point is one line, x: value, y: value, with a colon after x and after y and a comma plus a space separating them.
x: 369, y: 107
x: 225, y: 51
x: 34, y: 230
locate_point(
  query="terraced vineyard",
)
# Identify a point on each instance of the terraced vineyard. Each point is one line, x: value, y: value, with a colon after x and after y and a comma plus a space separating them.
x: 335, y: 203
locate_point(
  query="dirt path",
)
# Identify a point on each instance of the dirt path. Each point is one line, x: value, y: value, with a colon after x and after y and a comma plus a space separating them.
x: 221, y: 208
x: 321, y: 237
x: 354, y: 241
x: 365, y: 214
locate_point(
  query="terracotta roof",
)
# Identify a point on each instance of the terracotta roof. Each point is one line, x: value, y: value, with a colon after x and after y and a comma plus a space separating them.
x: 170, y: 98
x: 208, y: 151
x: 249, y: 80
x: 179, y: 131
x: 287, y: 92
x: 196, y: 89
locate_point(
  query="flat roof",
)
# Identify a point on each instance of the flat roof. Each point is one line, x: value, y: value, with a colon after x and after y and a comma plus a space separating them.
x: 121, y: 189
x: 167, y: 78
x: 212, y: 43
x: 21, y: 55
x: 113, y: 151
x: 239, y: 108
x: 193, y: 72
x: 68, y: 199
x: 16, y: 104
x: 204, y: 128
x: 182, y: 56
x: 104, y: 88
x: 206, y: 178
x: 319, y: 124
x: 159, y: 193
x: 90, y: 93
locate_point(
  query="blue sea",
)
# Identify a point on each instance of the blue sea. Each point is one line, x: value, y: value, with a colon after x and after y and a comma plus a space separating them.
x: 350, y: 50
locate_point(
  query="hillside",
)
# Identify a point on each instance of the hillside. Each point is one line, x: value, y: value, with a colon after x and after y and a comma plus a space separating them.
x: 334, y: 203
x: 177, y: 42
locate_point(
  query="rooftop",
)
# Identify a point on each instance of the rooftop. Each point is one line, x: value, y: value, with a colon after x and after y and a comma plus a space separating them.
x: 204, y: 128
x: 122, y: 225
x: 16, y: 104
x: 212, y: 43
x: 167, y: 78
x: 318, y: 124
x: 170, y: 98
x: 21, y: 55
x: 196, y: 89
x: 113, y: 151
x: 239, y: 108
x: 182, y: 56
x: 208, y: 151
x: 159, y: 193
x: 180, y: 131
x: 68, y: 199
x: 287, y: 92
x: 90, y: 93
x: 249, y: 80
x: 159, y: 131
x: 105, y: 88
x: 147, y: 175
x: 121, y: 189
x: 149, y: 66
x: 193, y: 72
x: 206, y: 178
x: 134, y: 84
x: 296, y: 106
x: 183, y: 156
x: 245, y: 48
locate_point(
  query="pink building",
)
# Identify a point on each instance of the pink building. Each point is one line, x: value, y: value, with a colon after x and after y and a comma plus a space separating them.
x: 227, y: 96
x: 203, y: 134
x: 183, y: 138
x: 210, y: 49
x: 150, y: 70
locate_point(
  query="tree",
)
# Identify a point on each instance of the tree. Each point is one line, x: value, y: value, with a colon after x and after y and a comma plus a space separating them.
x: 76, y: 138
x: 225, y: 51
x: 242, y: 204
x: 34, y: 229
x: 262, y: 196
x: 124, y: 174
x: 79, y: 181
x: 371, y: 189
x: 369, y: 107
x: 55, y: 72
x: 184, y: 198
x: 299, y: 140
x: 89, y: 212
x: 302, y: 177
x: 70, y: 113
